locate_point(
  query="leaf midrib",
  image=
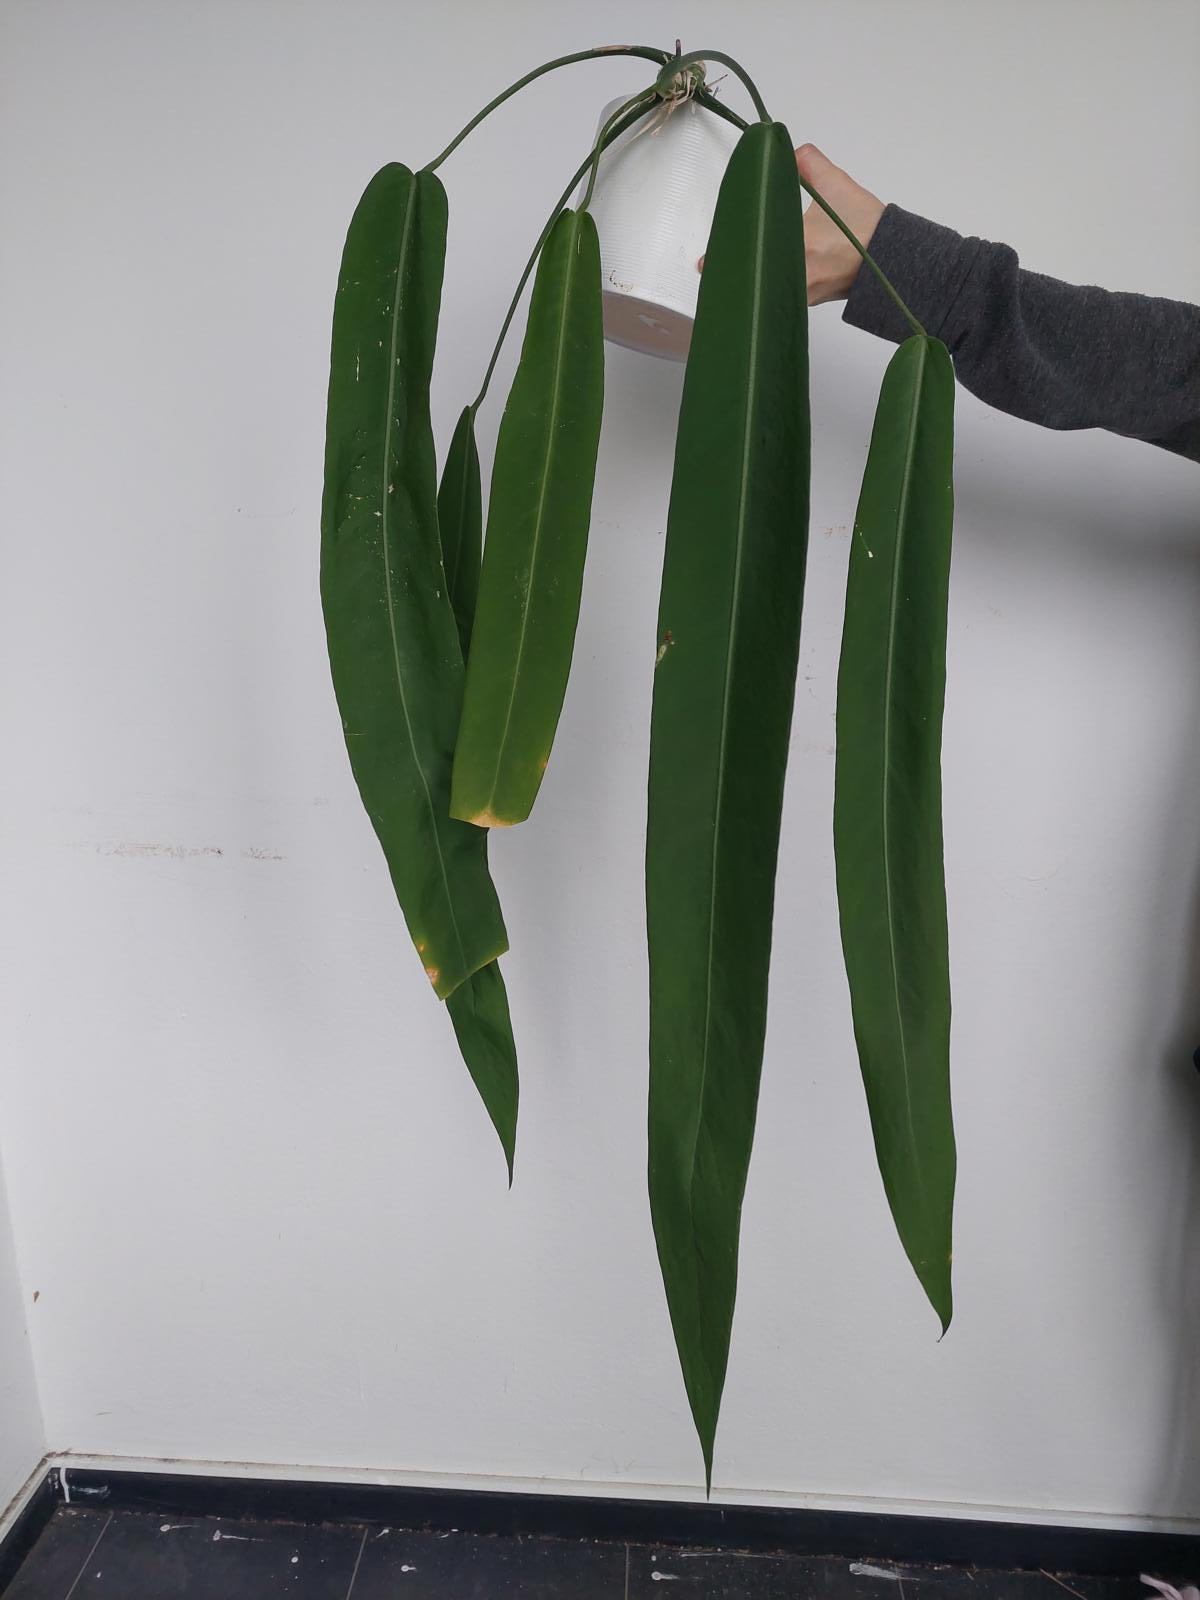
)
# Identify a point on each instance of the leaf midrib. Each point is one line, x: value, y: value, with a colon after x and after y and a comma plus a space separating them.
x: 747, y: 437
x: 551, y: 440
x: 893, y: 612
x: 385, y: 501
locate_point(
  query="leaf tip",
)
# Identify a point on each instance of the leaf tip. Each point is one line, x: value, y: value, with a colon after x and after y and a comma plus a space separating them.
x: 706, y: 1433
x: 941, y: 1297
x: 507, y: 1129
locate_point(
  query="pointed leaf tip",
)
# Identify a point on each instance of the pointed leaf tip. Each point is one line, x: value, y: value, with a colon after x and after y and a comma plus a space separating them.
x: 479, y: 1012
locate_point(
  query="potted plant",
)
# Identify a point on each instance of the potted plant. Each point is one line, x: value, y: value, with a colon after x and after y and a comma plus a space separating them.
x: 450, y: 656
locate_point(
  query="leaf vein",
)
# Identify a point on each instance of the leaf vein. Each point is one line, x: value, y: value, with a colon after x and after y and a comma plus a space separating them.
x: 539, y: 513
x: 385, y: 541
x: 889, y: 673
x: 735, y: 595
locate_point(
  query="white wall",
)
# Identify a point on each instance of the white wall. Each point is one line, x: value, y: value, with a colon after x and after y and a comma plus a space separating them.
x: 266, y: 1216
x: 21, y: 1438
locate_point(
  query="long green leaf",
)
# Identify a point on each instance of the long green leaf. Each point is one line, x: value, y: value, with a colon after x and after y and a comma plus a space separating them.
x: 537, y: 530
x: 729, y: 628
x: 393, y: 648
x: 479, y: 1007
x: 460, y: 520
x: 887, y: 807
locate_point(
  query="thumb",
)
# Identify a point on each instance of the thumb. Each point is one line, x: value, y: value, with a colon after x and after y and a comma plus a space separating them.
x: 814, y: 166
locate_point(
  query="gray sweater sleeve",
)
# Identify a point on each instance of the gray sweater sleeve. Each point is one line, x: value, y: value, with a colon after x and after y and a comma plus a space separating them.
x: 1045, y: 351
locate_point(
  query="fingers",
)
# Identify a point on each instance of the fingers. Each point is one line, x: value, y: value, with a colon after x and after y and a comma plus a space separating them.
x: 814, y: 167
x: 832, y: 264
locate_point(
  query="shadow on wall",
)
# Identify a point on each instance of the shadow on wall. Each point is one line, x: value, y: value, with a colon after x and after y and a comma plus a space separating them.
x: 1094, y: 531
x: 1179, y: 1081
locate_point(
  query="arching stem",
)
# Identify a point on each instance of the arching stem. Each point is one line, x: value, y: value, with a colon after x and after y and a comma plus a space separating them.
x: 639, y: 102
x: 819, y: 200
x: 708, y: 99
x: 645, y: 52
x: 605, y: 139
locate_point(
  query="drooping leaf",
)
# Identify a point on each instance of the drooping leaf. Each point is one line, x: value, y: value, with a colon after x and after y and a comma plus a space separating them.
x: 460, y: 519
x: 479, y: 1011
x: 729, y: 628
x: 887, y: 806
x: 393, y: 647
x: 537, y: 530
x: 479, y: 1007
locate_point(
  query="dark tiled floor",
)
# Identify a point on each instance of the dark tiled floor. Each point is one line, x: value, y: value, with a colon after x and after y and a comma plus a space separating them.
x: 91, y: 1554
x: 466, y: 1566
x: 709, y: 1575
x: 139, y: 1555
x: 59, y: 1556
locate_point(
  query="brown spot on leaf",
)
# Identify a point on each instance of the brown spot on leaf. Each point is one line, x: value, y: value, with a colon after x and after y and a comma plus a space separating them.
x: 489, y: 819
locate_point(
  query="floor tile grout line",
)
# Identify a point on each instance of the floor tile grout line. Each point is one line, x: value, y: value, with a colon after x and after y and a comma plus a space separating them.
x: 87, y: 1560
x: 357, y: 1561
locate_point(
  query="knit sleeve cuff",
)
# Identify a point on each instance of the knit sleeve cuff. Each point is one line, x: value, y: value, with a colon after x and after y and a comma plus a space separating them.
x: 929, y: 266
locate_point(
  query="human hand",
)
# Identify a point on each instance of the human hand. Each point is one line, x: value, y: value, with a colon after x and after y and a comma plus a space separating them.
x: 830, y: 260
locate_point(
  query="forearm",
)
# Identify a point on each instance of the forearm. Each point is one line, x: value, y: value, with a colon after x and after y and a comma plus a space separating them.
x: 1052, y: 353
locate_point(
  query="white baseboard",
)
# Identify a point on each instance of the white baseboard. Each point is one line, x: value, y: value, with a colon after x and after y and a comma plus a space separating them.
x: 14, y: 1508
x: 1060, y: 1516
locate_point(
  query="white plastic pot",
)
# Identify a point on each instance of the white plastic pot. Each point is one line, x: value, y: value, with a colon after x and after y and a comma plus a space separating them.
x: 656, y: 191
